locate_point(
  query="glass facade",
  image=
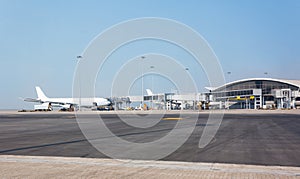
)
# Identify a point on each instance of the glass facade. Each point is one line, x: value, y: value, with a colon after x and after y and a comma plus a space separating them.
x: 266, y: 85
x: 149, y: 98
x: 233, y: 93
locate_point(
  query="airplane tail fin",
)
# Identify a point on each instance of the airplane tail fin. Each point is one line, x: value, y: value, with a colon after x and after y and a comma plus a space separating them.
x: 40, y: 93
x: 149, y: 92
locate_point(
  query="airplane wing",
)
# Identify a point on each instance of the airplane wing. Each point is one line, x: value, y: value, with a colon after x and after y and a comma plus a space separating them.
x: 59, y: 103
x: 32, y: 100
x: 46, y: 101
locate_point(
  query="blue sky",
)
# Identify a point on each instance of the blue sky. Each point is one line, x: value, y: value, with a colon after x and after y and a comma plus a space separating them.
x: 39, y: 40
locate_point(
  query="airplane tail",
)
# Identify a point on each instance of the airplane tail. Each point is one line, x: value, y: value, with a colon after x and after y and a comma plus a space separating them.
x: 40, y: 93
x: 149, y: 92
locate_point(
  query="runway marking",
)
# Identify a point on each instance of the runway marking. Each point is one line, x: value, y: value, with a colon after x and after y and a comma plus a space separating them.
x: 172, y: 118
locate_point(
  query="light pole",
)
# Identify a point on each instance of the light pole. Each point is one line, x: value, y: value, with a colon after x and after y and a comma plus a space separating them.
x: 79, y: 57
x: 194, y: 101
x: 228, y: 80
x: 142, y: 57
x: 228, y: 73
x: 152, y: 67
x: 187, y: 70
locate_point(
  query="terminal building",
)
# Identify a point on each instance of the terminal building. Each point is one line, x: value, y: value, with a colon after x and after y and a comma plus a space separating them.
x: 256, y: 93
x: 252, y: 93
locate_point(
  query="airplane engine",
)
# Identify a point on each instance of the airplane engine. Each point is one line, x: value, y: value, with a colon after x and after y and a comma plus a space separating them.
x: 66, y: 106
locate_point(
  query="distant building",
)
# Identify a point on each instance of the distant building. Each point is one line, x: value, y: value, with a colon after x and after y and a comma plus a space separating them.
x: 255, y: 93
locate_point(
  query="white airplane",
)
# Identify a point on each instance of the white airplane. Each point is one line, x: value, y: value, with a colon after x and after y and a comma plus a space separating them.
x: 66, y: 103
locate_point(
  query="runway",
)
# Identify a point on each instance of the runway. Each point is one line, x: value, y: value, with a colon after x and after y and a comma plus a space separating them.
x: 259, y: 139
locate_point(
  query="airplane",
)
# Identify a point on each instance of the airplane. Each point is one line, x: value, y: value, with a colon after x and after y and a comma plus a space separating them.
x: 65, y: 103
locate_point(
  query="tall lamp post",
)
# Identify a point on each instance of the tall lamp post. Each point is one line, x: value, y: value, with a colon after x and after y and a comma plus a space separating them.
x: 152, y: 67
x: 263, y: 100
x: 194, y: 101
x: 79, y: 57
x: 142, y: 57
x: 228, y: 80
x: 228, y: 73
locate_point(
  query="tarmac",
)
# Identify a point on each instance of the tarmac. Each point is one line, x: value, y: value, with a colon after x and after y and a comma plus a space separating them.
x: 249, y: 144
x: 225, y: 111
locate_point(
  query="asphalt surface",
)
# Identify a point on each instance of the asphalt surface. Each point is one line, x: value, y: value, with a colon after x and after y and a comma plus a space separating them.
x: 260, y: 139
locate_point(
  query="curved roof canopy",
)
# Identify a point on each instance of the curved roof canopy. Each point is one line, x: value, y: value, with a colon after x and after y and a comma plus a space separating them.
x: 251, y: 83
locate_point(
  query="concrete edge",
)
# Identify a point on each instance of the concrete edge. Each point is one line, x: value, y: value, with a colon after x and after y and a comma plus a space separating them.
x: 213, y: 167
